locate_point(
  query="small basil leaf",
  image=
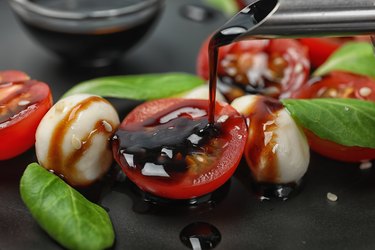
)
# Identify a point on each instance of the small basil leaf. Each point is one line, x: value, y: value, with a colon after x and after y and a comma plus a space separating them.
x: 63, y: 213
x: 349, y: 122
x: 354, y: 57
x: 228, y: 7
x: 138, y: 87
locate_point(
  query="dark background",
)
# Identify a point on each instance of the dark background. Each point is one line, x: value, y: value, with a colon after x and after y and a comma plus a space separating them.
x: 306, y: 221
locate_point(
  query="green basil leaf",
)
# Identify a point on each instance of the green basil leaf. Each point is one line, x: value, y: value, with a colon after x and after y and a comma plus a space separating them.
x: 138, y: 87
x: 354, y: 57
x: 349, y: 122
x: 228, y: 7
x: 63, y: 213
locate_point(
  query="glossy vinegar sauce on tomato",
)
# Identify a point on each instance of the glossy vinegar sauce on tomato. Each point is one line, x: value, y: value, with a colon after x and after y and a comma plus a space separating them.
x: 15, y: 97
x: 172, y: 143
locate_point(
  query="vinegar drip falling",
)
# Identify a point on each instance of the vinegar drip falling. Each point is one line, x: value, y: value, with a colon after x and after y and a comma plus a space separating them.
x: 213, y: 56
x: 244, y: 22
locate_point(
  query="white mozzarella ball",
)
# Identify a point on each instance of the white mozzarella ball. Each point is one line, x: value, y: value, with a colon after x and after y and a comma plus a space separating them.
x: 202, y: 92
x: 244, y: 103
x: 277, y: 150
x: 73, y: 138
x: 293, y: 154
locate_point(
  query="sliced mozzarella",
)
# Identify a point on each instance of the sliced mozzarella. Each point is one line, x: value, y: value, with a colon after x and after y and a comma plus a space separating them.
x: 244, y: 103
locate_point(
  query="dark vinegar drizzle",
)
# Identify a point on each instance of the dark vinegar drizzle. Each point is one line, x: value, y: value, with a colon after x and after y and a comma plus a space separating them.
x: 200, y: 235
x: 244, y: 21
x: 171, y: 138
x: 172, y: 143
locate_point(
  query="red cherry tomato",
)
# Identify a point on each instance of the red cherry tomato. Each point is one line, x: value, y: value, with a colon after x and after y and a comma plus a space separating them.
x: 12, y: 76
x: 339, y: 152
x: 321, y: 48
x: 166, y: 148
x: 274, y: 68
x: 23, y: 104
x: 339, y: 85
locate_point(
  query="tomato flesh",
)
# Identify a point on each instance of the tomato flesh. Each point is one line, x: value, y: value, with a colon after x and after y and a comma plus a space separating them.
x: 167, y: 148
x: 273, y: 68
x: 339, y: 85
x: 22, y: 105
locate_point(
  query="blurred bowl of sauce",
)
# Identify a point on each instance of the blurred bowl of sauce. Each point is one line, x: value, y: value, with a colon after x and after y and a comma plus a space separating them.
x: 90, y: 33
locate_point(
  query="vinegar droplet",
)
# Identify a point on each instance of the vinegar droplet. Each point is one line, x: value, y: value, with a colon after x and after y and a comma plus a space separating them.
x: 200, y: 236
x: 268, y: 191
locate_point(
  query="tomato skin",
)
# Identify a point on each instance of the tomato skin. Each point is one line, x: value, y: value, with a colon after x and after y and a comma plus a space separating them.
x: 321, y: 48
x: 286, y: 67
x: 17, y: 134
x: 192, y: 184
x: 350, y: 85
x: 13, y: 76
x: 338, y: 152
x: 346, y: 85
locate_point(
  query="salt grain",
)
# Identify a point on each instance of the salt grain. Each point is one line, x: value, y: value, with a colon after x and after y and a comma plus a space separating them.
x: 365, y: 165
x: 107, y: 126
x: 76, y: 142
x: 23, y: 103
x: 231, y: 71
x: 332, y: 197
x: 59, y: 107
x: 365, y: 91
x: 298, y: 68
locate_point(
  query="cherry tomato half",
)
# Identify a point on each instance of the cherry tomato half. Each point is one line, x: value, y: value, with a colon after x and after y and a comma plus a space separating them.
x: 167, y: 149
x: 23, y: 104
x: 339, y: 85
x: 321, y: 48
x: 273, y: 68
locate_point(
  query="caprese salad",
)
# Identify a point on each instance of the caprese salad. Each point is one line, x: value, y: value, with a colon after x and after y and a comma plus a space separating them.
x: 168, y: 148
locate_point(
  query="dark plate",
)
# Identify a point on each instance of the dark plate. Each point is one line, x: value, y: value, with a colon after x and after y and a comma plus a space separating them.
x: 306, y: 221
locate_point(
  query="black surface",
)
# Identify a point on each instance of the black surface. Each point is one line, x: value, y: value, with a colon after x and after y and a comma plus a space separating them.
x: 307, y: 221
